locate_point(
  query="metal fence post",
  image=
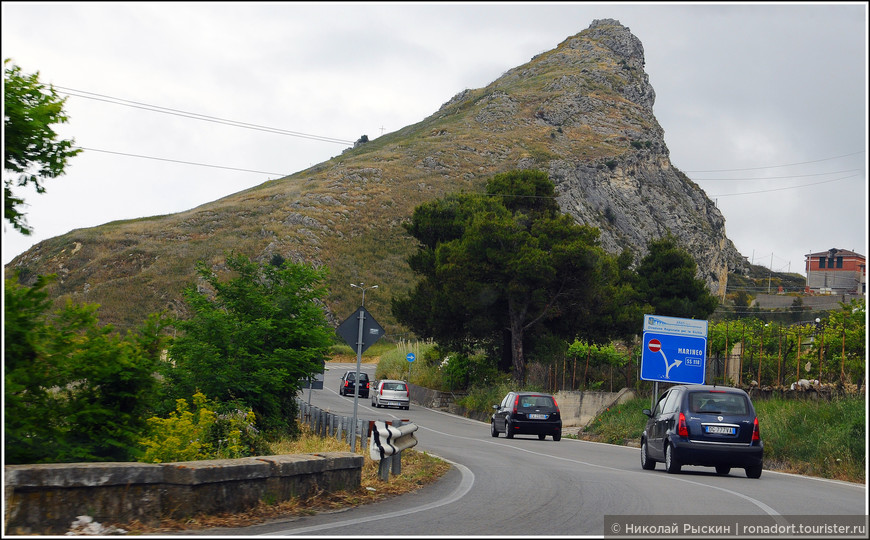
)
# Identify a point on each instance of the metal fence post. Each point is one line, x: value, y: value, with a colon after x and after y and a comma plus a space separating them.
x: 384, y: 468
x: 397, y: 457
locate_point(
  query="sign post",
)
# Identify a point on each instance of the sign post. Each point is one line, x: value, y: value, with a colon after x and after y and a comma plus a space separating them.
x: 411, y: 357
x: 361, y: 332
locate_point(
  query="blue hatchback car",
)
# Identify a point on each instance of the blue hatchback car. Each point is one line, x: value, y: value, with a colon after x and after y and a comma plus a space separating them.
x: 705, y: 425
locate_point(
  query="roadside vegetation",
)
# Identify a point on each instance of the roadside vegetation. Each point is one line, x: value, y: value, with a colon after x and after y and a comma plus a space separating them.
x: 815, y: 437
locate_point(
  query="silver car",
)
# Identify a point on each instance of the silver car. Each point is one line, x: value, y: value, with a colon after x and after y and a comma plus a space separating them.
x: 391, y: 393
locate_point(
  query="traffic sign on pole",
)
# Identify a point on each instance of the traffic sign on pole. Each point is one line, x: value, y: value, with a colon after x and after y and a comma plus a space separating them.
x: 674, y: 350
x: 349, y: 329
x: 361, y: 332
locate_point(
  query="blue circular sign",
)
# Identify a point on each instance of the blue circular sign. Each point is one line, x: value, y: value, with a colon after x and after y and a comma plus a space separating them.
x: 410, y: 357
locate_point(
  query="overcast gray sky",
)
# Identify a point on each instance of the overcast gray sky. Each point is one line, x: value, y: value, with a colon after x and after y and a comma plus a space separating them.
x: 764, y: 106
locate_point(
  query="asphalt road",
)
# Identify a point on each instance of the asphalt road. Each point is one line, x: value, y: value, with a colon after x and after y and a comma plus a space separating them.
x: 527, y: 487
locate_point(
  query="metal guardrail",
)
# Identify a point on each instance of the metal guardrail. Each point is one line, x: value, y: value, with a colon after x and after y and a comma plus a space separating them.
x: 387, y: 442
x: 388, y: 439
x: 327, y: 424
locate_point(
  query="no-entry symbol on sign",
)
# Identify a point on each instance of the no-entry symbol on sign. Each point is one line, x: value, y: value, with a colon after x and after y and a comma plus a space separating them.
x: 676, y: 350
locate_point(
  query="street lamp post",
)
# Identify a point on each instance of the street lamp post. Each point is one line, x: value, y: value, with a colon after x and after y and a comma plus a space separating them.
x: 356, y: 383
x: 361, y: 286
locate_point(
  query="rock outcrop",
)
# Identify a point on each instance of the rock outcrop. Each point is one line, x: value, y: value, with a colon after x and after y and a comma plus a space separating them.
x: 583, y: 112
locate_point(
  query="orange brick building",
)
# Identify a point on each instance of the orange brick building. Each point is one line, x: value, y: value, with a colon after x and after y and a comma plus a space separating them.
x: 836, y: 271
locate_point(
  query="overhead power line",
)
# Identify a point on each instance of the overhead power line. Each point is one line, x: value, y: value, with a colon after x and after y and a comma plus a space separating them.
x: 178, y: 161
x: 784, y: 188
x: 777, y: 166
x: 774, y: 177
x: 195, y: 116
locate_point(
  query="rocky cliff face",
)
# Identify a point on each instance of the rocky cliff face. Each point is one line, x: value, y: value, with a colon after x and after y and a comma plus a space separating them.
x: 606, y: 151
x: 583, y: 112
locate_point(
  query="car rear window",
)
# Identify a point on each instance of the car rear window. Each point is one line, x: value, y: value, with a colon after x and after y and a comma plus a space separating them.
x: 394, y: 386
x: 362, y: 376
x: 718, y: 403
x: 527, y: 402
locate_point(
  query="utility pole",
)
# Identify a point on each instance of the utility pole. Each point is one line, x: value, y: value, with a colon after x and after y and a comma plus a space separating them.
x: 770, y: 272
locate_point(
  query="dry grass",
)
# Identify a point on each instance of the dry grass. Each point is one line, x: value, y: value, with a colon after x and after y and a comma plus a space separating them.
x: 418, y: 470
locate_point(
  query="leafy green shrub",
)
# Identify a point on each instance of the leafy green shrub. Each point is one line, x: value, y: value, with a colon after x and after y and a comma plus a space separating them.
x: 253, y: 339
x: 454, y: 371
x: 482, y: 398
x: 199, y: 432
x: 460, y: 371
x: 75, y: 390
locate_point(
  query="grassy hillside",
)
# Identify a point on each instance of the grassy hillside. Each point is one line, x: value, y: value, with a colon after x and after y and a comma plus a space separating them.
x: 577, y: 111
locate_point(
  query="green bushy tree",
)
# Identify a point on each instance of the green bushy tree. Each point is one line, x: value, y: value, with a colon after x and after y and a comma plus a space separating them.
x: 74, y: 390
x: 31, y: 149
x: 666, y: 280
x: 252, y: 338
x: 497, y: 266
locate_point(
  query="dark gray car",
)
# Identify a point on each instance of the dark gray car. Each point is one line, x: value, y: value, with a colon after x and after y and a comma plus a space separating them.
x: 347, y: 386
x: 527, y: 413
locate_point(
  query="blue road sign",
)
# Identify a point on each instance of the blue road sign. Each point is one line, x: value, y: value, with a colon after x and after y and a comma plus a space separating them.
x: 673, y: 359
x: 411, y: 357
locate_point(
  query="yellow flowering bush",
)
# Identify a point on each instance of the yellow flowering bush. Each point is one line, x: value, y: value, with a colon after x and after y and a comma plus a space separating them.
x: 198, y: 432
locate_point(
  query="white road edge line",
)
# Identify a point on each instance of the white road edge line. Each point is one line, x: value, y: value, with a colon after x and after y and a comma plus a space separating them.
x: 464, y: 487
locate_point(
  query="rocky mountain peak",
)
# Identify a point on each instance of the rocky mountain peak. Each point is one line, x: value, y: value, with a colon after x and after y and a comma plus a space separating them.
x: 582, y: 112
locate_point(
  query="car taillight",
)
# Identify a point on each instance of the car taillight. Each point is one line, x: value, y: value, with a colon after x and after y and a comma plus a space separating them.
x: 381, y: 391
x: 556, y: 405
x: 407, y: 390
x: 682, y: 430
x: 756, y: 434
x: 516, y: 402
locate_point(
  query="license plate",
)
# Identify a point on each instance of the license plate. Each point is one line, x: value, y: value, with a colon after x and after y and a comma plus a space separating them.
x: 537, y: 416
x: 721, y: 430
x: 395, y: 403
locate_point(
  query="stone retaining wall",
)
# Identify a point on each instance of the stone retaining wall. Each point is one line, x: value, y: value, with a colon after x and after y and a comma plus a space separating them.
x: 47, y: 498
x: 578, y: 408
